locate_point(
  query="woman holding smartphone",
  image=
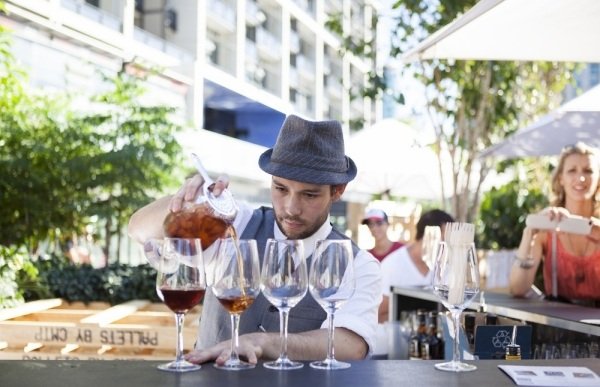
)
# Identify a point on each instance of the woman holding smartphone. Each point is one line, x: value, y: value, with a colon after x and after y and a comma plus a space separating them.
x: 576, y: 192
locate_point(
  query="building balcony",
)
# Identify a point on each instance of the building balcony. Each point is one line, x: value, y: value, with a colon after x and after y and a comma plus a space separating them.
x: 153, y: 41
x: 307, y: 6
x: 269, y: 48
x: 294, y: 42
x: 334, y: 88
x: 93, y: 13
x: 221, y: 16
x: 251, y: 51
x: 254, y: 15
x: 293, y: 78
x: 333, y: 6
x: 93, y: 27
x: 306, y: 68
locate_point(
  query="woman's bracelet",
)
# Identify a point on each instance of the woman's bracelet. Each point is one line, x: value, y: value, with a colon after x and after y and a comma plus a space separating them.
x: 525, y: 263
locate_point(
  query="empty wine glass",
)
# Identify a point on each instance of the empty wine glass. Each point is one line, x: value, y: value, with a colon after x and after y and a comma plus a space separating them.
x: 284, y: 282
x: 180, y: 283
x: 332, y: 283
x: 236, y: 285
x: 456, y: 282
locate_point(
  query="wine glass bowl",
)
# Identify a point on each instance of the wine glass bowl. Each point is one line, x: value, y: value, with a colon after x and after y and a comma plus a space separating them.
x: 432, y: 236
x: 181, y: 284
x: 332, y: 283
x: 284, y: 282
x: 456, y: 283
x: 236, y: 284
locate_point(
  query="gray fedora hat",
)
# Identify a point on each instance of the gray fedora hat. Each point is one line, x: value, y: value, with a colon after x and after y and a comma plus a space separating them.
x: 309, y: 152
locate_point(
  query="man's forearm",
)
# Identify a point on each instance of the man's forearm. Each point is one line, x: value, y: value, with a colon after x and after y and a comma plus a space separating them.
x: 147, y: 222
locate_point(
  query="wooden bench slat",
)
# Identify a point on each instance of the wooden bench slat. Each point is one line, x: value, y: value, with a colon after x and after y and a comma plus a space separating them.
x: 29, y: 307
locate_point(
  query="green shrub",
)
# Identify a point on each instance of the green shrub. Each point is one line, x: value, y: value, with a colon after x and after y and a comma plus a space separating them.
x: 502, y: 214
x: 115, y: 283
x: 15, y: 269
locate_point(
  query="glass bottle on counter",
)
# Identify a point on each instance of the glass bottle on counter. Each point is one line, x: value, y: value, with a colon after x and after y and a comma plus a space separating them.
x: 432, y: 347
x: 469, y: 325
x: 419, y: 335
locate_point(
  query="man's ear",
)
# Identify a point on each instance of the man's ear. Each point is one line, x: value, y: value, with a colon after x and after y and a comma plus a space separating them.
x: 338, y: 191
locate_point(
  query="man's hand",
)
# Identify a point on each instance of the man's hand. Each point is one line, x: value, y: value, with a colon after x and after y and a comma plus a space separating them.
x: 251, y: 348
x: 192, y: 188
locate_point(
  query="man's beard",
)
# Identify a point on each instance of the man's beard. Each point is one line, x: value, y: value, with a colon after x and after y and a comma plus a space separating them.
x: 304, y: 234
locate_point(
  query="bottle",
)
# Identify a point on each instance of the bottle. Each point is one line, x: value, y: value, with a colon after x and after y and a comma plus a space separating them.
x: 469, y: 324
x: 418, y: 336
x: 513, y: 350
x: 491, y: 319
x: 209, y: 218
x: 432, y: 345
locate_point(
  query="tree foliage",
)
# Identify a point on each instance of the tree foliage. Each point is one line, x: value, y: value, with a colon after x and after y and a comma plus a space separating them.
x: 473, y: 104
x: 65, y: 172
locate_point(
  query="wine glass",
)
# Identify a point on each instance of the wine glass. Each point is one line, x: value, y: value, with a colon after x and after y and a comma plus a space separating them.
x: 456, y: 283
x: 332, y: 283
x: 236, y: 284
x: 284, y: 282
x: 180, y: 283
x: 431, y: 238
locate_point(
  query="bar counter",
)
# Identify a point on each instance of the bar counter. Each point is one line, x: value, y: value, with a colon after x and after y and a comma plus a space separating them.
x: 368, y: 373
x: 561, y: 315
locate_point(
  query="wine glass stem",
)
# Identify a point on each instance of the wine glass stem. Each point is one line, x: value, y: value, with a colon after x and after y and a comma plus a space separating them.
x: 235, y: 340
x: 330, y: 350
x: 283, y: 328
x: 456, y: 347
x: 179, y: 317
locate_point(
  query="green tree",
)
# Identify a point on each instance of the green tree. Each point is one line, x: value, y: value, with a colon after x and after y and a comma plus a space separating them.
x: 62, y: 171
x: 134, y: 152
x: 473, y: 104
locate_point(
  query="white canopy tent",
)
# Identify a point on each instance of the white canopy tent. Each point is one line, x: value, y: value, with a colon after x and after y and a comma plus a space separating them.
x: 390, y: 159
x: 577, y: 120
x: 545, y: 30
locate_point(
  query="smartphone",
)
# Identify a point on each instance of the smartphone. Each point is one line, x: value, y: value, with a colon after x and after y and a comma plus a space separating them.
x: 572, y: 224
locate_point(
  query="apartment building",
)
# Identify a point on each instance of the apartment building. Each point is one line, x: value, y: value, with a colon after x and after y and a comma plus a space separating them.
x: 234, y: 67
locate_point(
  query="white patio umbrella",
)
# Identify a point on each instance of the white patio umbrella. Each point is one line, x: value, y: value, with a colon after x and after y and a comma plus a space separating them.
x: 577, y: 120
x: 546, y: 30
x: 389, y: 159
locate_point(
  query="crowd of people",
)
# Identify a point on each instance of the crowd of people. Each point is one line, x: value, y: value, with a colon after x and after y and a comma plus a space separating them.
x: 309, y: 172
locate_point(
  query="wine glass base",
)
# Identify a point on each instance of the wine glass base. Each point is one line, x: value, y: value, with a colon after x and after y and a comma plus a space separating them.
x: 237, y: 366
x: 283, y: 364
x: 329, y: 364
x: 455, y: 366
x: 179, y: 366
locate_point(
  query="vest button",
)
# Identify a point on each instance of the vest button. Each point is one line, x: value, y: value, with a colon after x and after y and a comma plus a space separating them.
x: 273, y: 309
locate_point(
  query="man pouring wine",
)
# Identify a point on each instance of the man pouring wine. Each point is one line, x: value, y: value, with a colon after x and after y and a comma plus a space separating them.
x: 309, y: 173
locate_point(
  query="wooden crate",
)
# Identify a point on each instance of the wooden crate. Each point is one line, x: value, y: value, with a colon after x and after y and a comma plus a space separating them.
x: 54, y: 329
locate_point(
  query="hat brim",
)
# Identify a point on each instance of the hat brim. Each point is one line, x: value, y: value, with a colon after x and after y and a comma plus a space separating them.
x: 366, y: 220
x: 305, y: 175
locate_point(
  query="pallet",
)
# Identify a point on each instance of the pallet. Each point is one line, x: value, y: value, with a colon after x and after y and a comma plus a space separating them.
x: 54, y: 329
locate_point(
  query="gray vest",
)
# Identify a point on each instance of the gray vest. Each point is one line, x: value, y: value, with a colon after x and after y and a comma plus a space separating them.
x: 215, y: 322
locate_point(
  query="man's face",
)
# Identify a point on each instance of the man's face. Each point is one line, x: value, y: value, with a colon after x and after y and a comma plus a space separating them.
x: 301, y: 208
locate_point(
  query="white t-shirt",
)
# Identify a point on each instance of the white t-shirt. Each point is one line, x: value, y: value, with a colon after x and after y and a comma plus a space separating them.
x: 398, y: 269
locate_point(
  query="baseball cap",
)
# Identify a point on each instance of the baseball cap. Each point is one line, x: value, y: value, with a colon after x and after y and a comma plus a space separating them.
x: 375, y: 214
